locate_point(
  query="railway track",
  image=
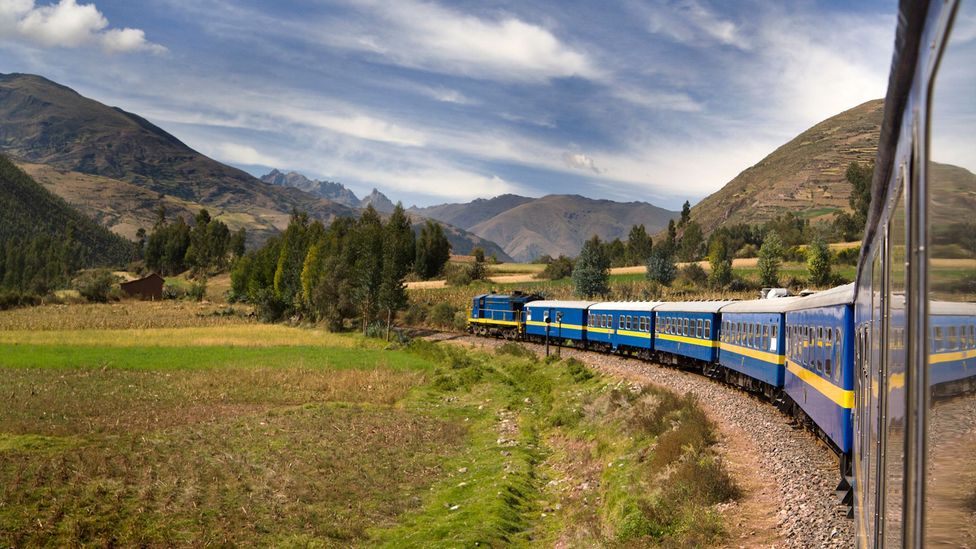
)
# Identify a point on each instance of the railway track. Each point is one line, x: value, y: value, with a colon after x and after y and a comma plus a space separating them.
x: 788, y: 475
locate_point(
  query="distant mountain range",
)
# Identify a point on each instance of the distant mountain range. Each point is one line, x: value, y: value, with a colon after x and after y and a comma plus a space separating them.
x: 117, y: 168
x: 806, y: 176
x: 552, y: 225
x: 336, y: 192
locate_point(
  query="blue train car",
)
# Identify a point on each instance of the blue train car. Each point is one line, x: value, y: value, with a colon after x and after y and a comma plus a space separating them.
x: 751, y: 343
x: 952, y: 347
x: 819, y: 376
x: 499, y: 314
x: 626, y: 326
x: 560, y: 320
x: 687, y: 329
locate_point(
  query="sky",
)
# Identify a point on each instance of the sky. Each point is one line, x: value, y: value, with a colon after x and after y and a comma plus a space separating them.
x: 435, y: 102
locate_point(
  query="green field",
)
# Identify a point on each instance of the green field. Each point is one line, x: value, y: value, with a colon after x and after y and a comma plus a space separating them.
x: 249, y: 434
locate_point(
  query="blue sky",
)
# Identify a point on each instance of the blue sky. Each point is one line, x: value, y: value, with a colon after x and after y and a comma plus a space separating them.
x: 448, y: 101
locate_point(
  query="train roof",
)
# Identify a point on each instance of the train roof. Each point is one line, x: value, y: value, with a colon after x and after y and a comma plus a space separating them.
x: 641, y: 306
x: 560, y: 304
x: 841, y: 295
x: 771, y: 305
x: 952, y: 308
x: 692, y: 306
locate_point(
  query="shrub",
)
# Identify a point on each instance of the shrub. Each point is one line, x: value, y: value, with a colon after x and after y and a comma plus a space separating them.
x: 197, y: 290
x: 516, y: 350
x: 415, y: 314
x: 578, y: 370
x: 693, y: 274
x: 457, y: 275
x: 442, y: 314
x: 96, y: 285
x: 11, y: 299
x: 848, y: 256
x: 561, y: 267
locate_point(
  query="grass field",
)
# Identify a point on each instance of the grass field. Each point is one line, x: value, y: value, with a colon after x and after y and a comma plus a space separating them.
x: 216, y: 430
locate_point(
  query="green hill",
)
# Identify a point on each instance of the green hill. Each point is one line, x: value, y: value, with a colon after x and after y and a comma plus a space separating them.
x: 31, y: 214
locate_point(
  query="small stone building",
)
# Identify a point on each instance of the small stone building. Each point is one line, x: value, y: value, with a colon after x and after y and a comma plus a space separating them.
x: 148, y: 288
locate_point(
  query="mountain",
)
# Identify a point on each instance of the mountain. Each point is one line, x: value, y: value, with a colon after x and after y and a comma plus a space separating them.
x: 336, y: 192
x: 378, y: 200
x: 30, y: 211
x: 559, y: 224
x: 805, y: 176
x: 469, y: 214
x: 42, y: 122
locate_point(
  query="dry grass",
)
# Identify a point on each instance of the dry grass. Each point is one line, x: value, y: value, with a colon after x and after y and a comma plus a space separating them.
x: 124, y: 315
x: 93, y: 401
x: 242, y: 335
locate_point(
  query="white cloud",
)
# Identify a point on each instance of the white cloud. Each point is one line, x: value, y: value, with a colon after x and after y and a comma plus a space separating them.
x: 242, y: 154
x: 68, y: 24
x: 580, y: 161
x: 431, y: 37
x: 690, y: 22
x: 658, y: 100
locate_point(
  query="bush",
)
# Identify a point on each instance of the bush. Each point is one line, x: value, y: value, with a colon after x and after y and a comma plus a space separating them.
x: 198, y: 290
x: 457, y: 275
x: 173, y: 291
x: 848, y: 256
x: 556, y: 269
x: 693, y: 274
x: 749, y: 250
x: 442, y: 314
x: 516, y: 350
x: 578, y: 370
x: 415, y: 314
x: 96, y: 285
x: 11, y: 299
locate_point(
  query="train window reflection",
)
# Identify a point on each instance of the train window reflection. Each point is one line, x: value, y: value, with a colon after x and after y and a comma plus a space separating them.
x: 951, y: 376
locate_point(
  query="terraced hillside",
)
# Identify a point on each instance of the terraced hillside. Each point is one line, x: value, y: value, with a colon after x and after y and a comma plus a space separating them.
x: 804, y: 176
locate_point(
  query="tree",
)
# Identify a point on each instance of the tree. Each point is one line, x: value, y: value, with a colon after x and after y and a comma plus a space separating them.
x: 398, y: 257
x: 770, y: 259
x: 433, y: 250
x: 685, y: 214
x: 368, y: 266
x: 558, y: 268
x: 671, y: 242
x: 720, y: 259
x: 691, y: 242
x: 818, y: 263
x: 591, y: 275
x: 478, y: 270
x: 661, y: 267
x: 639, y: 245
x: 238, y: 243
x: 140, y: 243
x: 859, y: 176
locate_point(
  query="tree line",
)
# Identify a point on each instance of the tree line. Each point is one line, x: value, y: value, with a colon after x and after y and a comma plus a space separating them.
x: 174, y: 247
x: 779, y: 239
x: 353, y: 270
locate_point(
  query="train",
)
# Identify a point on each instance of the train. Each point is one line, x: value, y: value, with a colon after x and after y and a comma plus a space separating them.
x: 883, y: 369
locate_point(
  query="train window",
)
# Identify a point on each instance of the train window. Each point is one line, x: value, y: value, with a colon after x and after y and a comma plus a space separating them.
x: 972, y: 336
x: 708, y: 329
x: 939, y: 342
x: 953, y: 342
x: 738, y: 333
x: 838, y: 354
x: 698, y: 328
x: 765, y: 337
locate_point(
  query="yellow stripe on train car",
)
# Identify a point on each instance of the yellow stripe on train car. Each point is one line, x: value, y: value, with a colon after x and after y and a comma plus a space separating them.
x: 764, y: 356
x: 554, y: 325
x: 691, y: 340
x: 492, y: 321
x: 840, y: 396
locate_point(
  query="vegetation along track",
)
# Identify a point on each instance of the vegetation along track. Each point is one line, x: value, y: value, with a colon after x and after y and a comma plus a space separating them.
x: 788, y: 476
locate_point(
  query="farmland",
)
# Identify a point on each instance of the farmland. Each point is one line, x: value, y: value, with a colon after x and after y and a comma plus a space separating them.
x: 191, y: 424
